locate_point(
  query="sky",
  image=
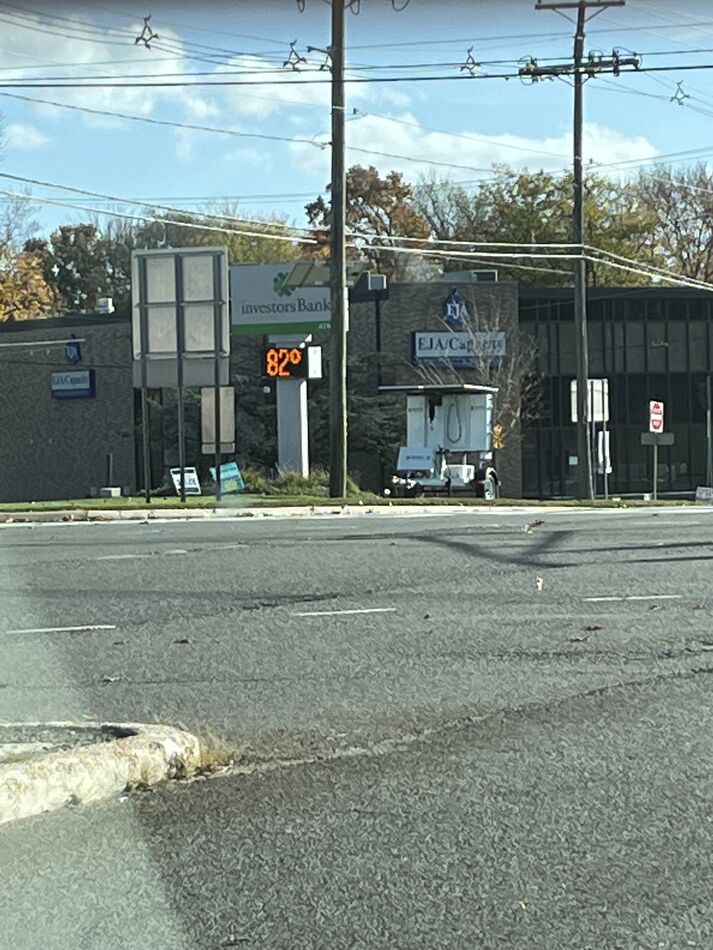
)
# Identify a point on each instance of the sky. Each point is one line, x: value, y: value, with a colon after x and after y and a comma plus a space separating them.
x: 437, y: 116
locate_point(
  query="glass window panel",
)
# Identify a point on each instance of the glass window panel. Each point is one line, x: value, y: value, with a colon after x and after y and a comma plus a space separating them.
x: 160, y: 279
x: 679, y: 409
x: 638, y: 402
x: 619, y: 355
x: 677, y: 347
x: 543, y: 348
x: 699, y: 399
x: 199, y: 327
x: 698, y: 454
x: 567, y: 354
x: 656, y: 345
x: 198, y: 277
x: 596, y: 348
x: 635, y: 362
x: 697, y: 344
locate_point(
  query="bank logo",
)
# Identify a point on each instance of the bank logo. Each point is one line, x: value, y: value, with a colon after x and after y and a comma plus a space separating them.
x: 279, y: 285
x: 73, y: 351
x: 455, y: 311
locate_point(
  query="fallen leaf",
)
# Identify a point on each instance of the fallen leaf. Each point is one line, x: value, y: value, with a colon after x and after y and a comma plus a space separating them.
x: 593, y: 627
x: 110, y: 679
x: 655, y: 607
x: 182, y: 640
x: 118, y: 643
x: 540, y: 583
x: 536, y: 524
x: 578, y: 639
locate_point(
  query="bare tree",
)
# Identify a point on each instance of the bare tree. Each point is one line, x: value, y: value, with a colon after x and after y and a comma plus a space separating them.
x: 512, y: 372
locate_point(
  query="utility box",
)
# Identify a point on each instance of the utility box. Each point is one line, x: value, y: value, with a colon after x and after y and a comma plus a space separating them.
x: 455, y: 422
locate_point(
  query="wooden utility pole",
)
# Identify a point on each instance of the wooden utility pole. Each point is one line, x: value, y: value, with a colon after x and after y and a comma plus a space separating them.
x: 340, y: 300
x: 581, y: 70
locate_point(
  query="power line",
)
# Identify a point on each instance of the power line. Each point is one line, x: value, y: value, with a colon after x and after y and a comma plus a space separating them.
x: 167, y: 122
x: 291, y: 239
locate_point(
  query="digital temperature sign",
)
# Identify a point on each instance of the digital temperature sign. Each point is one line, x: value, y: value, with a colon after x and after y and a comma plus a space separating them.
x: 286, y: 362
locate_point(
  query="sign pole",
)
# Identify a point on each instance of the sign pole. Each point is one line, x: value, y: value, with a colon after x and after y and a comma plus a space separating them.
x: 656, y: 470
x: 605, y: 440
x: 218, y: 346
x: 145, y: 420
x: 180, y: 350
x: 709, y: 433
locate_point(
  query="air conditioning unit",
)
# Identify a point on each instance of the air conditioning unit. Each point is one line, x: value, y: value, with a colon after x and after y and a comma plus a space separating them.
x: 105, y: 305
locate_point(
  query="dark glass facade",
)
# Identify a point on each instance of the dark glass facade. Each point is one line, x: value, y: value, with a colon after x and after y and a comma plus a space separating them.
x: 649, y: 344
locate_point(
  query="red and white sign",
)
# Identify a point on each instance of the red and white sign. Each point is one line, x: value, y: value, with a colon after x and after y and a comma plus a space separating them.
x: 655, y: 416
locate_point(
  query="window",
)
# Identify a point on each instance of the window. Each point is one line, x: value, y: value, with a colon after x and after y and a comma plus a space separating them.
x: 697, y: 345
x: 677, y: 347
x: 657, y: 344
x: 635, y: 354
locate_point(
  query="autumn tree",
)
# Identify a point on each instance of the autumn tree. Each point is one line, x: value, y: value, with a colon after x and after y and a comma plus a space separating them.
x: 380, y: 213
x: 24, y: 292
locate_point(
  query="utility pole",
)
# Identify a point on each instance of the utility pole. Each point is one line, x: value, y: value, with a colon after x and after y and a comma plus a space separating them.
x: 580, y: 70
x: 338, y: 276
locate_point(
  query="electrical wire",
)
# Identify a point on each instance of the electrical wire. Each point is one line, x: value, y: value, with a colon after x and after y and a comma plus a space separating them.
x: 167, y: 122
x: 173, y: 210
x: 145, y: 217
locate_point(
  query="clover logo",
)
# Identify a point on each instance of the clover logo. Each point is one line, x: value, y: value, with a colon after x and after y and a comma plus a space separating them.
x: 279, y: 285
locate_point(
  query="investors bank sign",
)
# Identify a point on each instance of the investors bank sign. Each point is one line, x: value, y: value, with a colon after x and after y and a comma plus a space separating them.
x: 262, y: 302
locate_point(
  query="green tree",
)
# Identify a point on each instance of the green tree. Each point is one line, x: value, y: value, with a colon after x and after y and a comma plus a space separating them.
x: 75, y: 261
x: 536, y: 207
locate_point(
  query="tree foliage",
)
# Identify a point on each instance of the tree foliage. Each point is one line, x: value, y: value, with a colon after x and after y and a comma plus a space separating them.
x: 381, y: 210
x: 25, y: 294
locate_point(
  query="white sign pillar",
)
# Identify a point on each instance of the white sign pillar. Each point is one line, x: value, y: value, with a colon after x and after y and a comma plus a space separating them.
x: 292, y: 419
x: 292, y: 427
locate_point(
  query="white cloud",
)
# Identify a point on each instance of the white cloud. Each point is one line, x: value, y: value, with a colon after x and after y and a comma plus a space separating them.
x: 99, y: 54
x: 250, y: 155
x: 467, y: 155
x: 20, y: 135
x: 289, y: 90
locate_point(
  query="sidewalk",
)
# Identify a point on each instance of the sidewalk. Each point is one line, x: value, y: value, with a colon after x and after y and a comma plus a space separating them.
x: 324, y: 508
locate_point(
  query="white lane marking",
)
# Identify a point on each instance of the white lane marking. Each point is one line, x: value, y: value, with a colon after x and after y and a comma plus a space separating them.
x: 122, y: 557
x: 635, y: 597
x: 176, y: 551
x: 94, y: 626
x: 335, y: 613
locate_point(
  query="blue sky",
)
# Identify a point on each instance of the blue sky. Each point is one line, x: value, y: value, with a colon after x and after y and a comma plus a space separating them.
x: 455, y: 128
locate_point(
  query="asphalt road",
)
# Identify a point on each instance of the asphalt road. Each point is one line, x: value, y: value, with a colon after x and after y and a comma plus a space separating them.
x: 512, y: 748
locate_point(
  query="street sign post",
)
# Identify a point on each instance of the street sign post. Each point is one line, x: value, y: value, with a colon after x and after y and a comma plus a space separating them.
x: 656, y: 439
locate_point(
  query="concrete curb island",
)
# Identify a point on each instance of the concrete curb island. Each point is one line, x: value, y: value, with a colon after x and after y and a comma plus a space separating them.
x: 99, y: 515
x: 142, y: 755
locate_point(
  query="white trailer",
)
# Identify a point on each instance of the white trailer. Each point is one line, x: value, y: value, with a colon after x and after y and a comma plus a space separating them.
x: 449, y: 444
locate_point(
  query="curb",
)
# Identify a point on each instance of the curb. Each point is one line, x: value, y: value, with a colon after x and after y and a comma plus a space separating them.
x: 100, y: 516
x: 143, y: 755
